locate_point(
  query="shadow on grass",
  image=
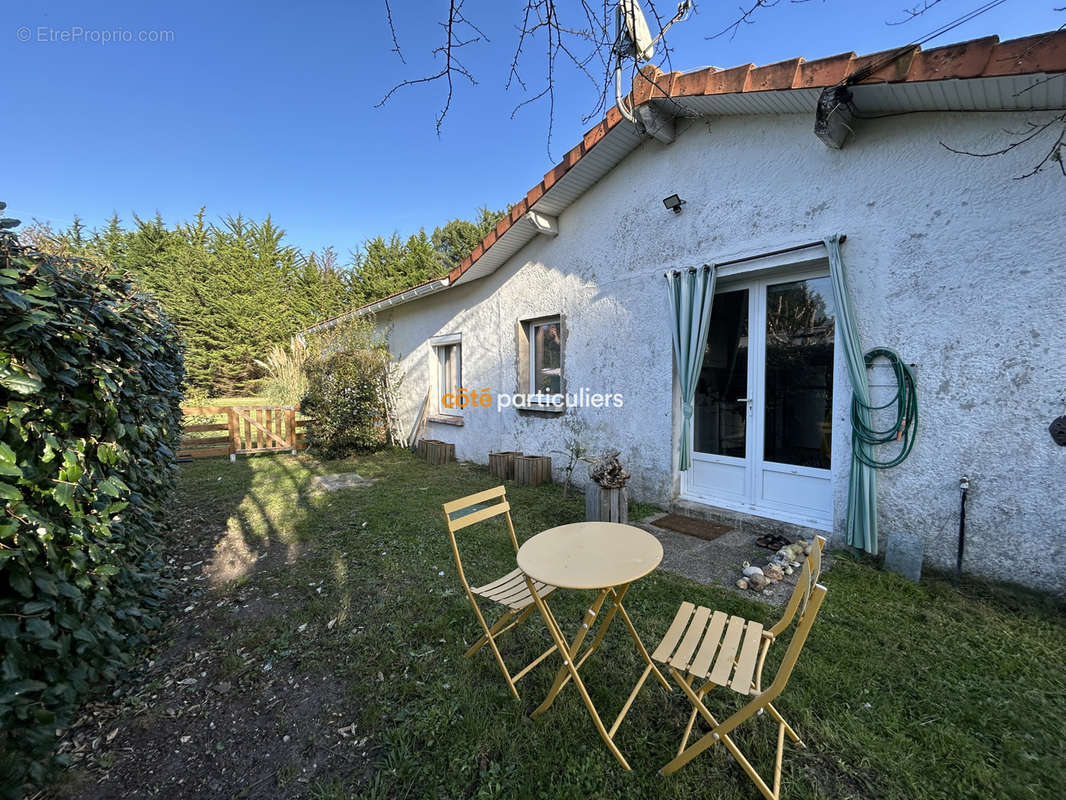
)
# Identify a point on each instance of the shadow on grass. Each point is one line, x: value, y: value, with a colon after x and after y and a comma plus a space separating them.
x: 344, y: 625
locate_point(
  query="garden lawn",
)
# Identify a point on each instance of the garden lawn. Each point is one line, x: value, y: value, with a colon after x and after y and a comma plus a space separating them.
x: 323, y: 635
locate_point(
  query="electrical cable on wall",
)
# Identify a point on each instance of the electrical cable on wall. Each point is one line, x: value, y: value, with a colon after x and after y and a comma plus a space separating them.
x: 905, y: 427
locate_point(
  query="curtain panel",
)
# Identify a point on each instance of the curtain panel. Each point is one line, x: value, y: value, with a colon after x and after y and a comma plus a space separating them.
x: 691, y: 295
x: 862, y: 480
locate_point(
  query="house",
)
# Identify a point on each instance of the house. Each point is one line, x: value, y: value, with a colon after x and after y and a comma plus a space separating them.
x: 764, y: 174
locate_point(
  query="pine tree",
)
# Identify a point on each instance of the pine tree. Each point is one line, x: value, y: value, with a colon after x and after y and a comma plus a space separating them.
x: 237, y: 289
x: 455, y: 240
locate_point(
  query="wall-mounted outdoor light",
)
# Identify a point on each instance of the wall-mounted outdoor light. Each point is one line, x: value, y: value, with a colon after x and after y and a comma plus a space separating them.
x: 674, y: 203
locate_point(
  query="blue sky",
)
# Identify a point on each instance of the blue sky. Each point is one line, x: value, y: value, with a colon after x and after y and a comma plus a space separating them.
x: 268, y: 108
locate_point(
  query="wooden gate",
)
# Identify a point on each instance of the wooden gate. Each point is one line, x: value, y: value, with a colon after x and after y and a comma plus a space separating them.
x: 248, y: 429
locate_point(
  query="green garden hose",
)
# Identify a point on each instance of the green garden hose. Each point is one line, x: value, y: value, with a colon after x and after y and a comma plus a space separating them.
x: 906, y: 425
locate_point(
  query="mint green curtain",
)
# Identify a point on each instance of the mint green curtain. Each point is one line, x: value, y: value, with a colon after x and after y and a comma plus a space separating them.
x: 862, y: 482
x: 691, y: 294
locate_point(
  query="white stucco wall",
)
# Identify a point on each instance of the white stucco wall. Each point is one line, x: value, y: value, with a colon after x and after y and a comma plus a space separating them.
x: 950, y: 262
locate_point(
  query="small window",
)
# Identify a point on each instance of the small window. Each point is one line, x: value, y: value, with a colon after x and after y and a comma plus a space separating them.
x: 546, y: 359
x: 449, y: 377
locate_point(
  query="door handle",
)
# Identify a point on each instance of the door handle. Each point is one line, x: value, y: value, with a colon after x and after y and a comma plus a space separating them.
x: 744, y: 399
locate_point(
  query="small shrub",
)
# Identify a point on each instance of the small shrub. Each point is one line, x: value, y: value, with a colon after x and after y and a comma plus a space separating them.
x: 90, y: 376
x: 348, y: 391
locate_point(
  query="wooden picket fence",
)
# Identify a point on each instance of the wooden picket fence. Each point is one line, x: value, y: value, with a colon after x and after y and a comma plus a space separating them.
x: 248, y: 429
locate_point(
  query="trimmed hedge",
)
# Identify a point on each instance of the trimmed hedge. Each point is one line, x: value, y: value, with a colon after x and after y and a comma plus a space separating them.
x: 90, y: 386
x: 349, y: 382
x: 346, y: 398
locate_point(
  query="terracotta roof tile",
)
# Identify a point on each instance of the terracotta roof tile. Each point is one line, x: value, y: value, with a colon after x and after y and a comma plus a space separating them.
x: 962, y: 60
x: 592, y: 138
x: 1045, y: 52
x: 889, y: 66
x: 534, y: 194
x: 824, y: 71
x: 695, y: 83
x: 728, y: 81
x: 977, y: 58
x: 781, y: 75
x: 643, y: 84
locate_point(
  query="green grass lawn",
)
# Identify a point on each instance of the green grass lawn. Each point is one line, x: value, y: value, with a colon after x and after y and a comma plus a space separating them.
x: 903, y: 691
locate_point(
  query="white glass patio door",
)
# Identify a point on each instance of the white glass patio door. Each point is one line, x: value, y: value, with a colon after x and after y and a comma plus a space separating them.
x: 762, y: 420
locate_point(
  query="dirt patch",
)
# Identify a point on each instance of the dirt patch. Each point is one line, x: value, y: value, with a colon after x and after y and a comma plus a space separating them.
x: 249, y: 737
x: 235, y: 557
x: 205, y: 716
x: 338, y: 481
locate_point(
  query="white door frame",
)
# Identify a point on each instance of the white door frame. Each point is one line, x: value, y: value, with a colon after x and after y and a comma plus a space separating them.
x: 755, y: 467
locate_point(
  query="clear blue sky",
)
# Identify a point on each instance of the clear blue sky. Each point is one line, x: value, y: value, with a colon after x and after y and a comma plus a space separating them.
x: 268, y: 108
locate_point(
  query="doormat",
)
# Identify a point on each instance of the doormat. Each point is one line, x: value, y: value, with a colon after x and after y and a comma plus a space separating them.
x: 700, y: 528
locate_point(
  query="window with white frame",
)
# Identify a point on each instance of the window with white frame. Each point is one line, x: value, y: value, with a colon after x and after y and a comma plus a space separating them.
x: 448, y: 357
x: 545, y: 359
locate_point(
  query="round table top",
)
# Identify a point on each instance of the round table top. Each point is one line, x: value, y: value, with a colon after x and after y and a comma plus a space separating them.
x: 590, y: 555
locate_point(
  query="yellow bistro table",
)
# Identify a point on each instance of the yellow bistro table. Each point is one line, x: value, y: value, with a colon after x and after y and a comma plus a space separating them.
x: 602, y: 556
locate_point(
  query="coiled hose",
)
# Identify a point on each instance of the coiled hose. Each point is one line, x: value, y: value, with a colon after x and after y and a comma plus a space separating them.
x: 906, y: 425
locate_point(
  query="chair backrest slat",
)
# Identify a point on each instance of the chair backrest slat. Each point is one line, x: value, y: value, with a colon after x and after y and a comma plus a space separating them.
x: 502, y: 508
x: 480, y: 515
x: 795, y: 646
x: 812, y: 569
x: 803, y: 588
x: 473, y: 499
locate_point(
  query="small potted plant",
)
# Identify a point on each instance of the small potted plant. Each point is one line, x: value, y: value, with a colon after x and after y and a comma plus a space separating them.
x: 607, y: 498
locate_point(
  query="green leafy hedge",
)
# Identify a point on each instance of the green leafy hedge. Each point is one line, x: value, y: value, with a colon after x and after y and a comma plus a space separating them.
x: 90, y: 386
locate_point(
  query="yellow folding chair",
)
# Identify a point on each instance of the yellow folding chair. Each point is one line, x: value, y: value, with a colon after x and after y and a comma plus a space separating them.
x: 511, y: 591
x: 730, y: 651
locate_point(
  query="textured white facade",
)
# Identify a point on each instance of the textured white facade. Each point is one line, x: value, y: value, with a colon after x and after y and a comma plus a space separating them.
x: 949, y: 261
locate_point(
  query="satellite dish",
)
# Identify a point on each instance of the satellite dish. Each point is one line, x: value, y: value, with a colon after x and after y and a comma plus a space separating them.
x: 634, y: 40
x: 636, y: 27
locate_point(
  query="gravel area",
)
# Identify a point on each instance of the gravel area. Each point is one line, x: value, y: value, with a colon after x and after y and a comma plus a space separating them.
x: 719, y: 562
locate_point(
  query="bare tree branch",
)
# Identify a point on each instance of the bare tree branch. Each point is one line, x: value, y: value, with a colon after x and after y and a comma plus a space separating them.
x: 592, y: 34
x: 584, y: 41
x: 1041, y: 82
x: 392, y: 30
x: 746, y: 15
x: 1034, y: 131
x: 914, y: 12
x: 452, y: 65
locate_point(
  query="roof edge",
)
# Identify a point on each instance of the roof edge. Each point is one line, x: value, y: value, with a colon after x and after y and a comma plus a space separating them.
x: 984, y: 57
x: 423, y: 289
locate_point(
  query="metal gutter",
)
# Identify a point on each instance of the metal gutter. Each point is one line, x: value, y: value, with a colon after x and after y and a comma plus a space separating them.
x: 422, y: 290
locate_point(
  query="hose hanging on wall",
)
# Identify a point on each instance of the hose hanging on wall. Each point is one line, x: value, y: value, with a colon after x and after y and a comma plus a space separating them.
x: 906, y: 425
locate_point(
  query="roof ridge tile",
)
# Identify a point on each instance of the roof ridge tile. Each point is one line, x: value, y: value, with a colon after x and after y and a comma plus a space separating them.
x: 960, y: 60
x: 1042, y: 52
x: 779, y: 75
x: 828, y: 71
